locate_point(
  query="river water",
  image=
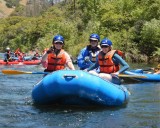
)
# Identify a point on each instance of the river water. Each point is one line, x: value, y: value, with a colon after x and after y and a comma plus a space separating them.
x: 18, y: 111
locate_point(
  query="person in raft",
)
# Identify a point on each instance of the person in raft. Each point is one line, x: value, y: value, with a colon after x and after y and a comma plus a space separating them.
x: 56, y: 58
x: 89, y: 54
x: 109, y: 62
x: 157, y: 69
x: 7, y: 55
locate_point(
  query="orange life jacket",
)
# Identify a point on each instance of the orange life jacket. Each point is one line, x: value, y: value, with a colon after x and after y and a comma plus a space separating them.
x: 56, y: 62
x: 106, y: 63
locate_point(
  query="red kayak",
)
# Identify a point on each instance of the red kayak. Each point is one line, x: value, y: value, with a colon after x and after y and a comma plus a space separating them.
x: 32, y: 62
x: 29, y: 62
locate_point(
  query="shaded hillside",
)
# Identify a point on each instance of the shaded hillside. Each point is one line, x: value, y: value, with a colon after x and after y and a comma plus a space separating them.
x: 6, y: 11
x: 23, y: 2
x: 26, y: 8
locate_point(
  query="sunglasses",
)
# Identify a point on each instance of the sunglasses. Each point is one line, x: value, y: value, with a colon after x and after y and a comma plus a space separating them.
x: 93, y: 40
x: 104, y: 46
x: 58, y: 43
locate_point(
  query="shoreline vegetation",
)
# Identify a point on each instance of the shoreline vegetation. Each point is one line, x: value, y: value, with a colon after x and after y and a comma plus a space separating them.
x: 133, y: 26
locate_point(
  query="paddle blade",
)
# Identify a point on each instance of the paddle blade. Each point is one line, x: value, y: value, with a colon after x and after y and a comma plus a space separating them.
x: 14, y: 72
x: 132, y: 76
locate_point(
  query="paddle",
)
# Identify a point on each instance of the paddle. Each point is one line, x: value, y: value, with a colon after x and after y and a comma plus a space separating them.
x: 149, y: 69
x: 143, y: 70
x: 132, y: 76
x: 16, y: 72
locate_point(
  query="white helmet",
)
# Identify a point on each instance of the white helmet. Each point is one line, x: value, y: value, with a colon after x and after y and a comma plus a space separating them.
x: 7, y: 49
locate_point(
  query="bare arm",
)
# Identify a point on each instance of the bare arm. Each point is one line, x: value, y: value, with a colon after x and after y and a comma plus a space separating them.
x: 44, y: 60
x: 70, y: 65
x: 69, y: 62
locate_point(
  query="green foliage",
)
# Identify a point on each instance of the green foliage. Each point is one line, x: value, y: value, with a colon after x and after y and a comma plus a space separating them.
x: 132, y: 25
x: 117, y: 15
x: 90, y: 9
x: 150, y: 36
x: 19, y: 11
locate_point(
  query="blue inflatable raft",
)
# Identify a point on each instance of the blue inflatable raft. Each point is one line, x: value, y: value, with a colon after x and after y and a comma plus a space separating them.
x: 140, y: 72
x: 76, y: 87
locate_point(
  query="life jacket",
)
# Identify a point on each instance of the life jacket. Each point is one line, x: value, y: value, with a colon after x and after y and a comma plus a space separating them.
x: 106, y: 63
x: 19, y: 55
x: 56, y: 62
x: 93, y: 53
x: 120, y: 53
x: 20, y: 58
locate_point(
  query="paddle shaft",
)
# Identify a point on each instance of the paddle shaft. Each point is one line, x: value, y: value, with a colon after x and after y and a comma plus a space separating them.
x: 149, y: 69
x: 16, y: 72
x: 132, y: 76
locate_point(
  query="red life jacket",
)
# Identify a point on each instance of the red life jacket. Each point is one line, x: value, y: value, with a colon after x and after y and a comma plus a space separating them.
x: 106, y: 63
x: 56, y: 62
x: 120, y: 53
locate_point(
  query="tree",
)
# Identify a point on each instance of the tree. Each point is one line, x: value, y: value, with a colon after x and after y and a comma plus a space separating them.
x: 150, y: 38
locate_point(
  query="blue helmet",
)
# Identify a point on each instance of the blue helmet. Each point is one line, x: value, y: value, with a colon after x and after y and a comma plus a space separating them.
x: 58, y: 38
x: 94, y: 36
x: 106, y: 42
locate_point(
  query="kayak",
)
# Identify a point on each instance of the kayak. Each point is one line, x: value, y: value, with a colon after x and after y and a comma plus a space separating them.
x: 149, y: 77
x: 2, y: 62
x: 77, y: 87
x: 32, y: 62
x: 29, y: 62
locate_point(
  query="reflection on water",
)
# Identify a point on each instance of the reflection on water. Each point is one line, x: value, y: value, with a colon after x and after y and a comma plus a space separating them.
x: 18, y: 110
